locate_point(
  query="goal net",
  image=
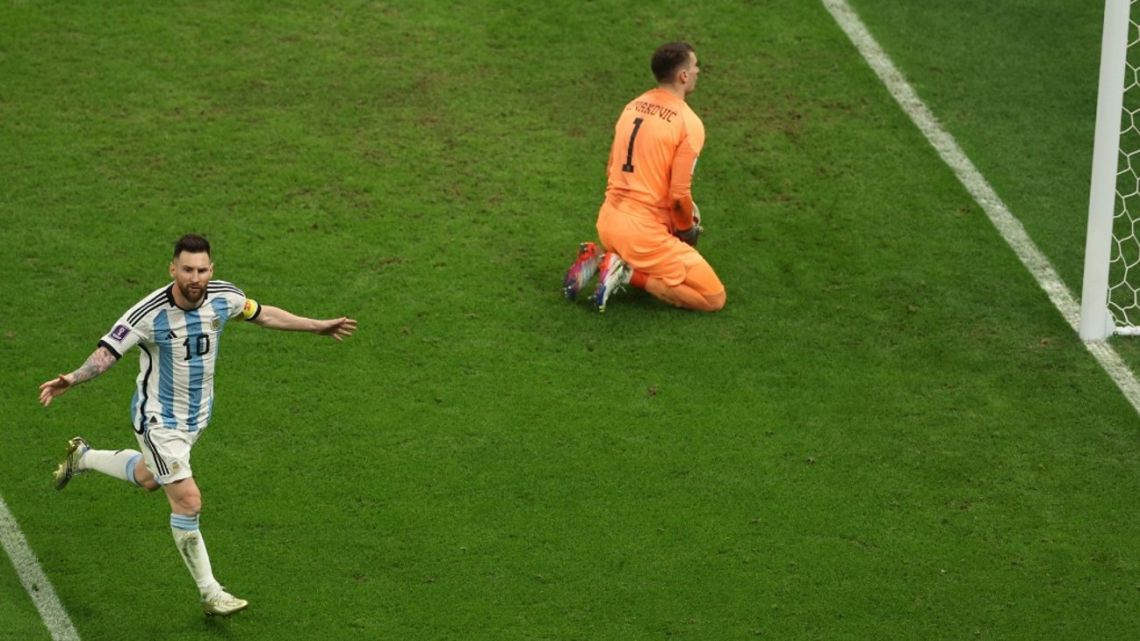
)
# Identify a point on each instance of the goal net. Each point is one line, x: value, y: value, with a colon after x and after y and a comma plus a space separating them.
x: 1110, y: 299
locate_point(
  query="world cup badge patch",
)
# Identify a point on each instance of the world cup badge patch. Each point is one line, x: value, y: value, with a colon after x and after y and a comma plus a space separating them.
x: 120, y: 332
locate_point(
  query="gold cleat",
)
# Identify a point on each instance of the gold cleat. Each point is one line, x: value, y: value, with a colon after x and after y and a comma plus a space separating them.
x: 223, y: 604
x: 76, y: 448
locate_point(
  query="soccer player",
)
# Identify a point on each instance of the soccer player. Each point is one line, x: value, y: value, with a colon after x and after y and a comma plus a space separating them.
x: 648, y: 223
x: 176, y: 328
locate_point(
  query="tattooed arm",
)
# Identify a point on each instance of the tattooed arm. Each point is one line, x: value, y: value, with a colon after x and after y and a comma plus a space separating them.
x: 100, y: 361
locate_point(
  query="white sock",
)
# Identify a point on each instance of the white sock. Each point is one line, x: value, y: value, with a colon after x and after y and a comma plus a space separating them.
x: 118, y: 463
x: 188, y: 539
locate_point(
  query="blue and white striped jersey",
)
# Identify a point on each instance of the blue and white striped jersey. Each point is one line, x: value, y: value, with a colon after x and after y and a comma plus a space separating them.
x: 178, y: 352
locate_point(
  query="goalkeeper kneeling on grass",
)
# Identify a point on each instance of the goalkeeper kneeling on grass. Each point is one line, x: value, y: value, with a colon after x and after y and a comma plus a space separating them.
x: 648, y: 224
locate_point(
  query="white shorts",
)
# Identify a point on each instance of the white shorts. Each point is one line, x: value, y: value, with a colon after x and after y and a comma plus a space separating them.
x: 167, y: 453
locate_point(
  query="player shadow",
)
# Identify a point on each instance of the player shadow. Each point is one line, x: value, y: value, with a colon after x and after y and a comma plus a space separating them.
x: 218, y: 627
x: 630, y: 299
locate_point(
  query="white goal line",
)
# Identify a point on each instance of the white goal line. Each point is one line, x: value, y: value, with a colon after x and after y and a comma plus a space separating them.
x: 1007, y: 225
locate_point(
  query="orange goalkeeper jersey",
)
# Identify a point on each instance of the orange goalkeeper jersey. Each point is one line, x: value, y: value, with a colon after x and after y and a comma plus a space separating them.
x: 657, y: 140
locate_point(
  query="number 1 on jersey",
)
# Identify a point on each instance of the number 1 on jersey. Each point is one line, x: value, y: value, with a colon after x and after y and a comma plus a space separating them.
x: 628, y: 166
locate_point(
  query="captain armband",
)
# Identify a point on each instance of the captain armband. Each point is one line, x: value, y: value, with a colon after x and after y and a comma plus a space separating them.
x: 250, y: 310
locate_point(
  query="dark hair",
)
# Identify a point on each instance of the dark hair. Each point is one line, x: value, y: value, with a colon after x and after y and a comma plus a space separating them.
x: 669, y: 59
x: 192, y: 243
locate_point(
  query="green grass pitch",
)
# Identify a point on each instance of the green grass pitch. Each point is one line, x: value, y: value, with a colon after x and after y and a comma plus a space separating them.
x: 888, y: 433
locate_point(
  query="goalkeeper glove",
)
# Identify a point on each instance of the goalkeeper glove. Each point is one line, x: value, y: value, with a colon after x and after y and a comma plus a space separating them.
x: 691, y: 235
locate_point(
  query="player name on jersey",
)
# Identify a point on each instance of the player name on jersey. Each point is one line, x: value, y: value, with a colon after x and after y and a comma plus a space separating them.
x: 651, y: 109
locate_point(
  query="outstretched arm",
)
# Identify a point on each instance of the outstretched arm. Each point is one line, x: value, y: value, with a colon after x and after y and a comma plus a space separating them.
x: 277, y: 318
x: 100, y: 361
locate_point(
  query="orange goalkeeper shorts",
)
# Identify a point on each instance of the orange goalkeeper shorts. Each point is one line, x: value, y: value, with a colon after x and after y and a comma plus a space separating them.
x: 647, y: 245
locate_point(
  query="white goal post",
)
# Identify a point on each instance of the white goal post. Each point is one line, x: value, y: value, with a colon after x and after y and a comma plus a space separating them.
x: 1110, y: 298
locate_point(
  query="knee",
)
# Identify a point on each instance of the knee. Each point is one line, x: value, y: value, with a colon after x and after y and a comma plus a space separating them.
x: 143, y: 477
x: 715, y: 302
x: 189, y: 507
x: 189, y: 503
x: 146, y: 480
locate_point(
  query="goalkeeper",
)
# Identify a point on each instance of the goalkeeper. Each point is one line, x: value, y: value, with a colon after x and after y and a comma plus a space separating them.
x: 648, y: 224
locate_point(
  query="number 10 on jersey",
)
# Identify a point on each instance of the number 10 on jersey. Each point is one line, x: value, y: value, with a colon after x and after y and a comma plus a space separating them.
x: 198, y: 344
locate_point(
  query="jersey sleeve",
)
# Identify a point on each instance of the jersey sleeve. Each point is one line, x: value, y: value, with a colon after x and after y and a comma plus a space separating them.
x: 680, y: 186
x: 237, y: 304
x: 684, y: 164
x: 122, y: 337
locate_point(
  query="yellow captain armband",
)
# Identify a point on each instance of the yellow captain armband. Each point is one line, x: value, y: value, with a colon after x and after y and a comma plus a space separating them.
x: 251, y: 309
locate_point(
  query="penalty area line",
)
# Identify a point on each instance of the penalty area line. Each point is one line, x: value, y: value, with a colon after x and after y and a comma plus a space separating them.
x: 1010, y: 228
x: 33, y: 578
